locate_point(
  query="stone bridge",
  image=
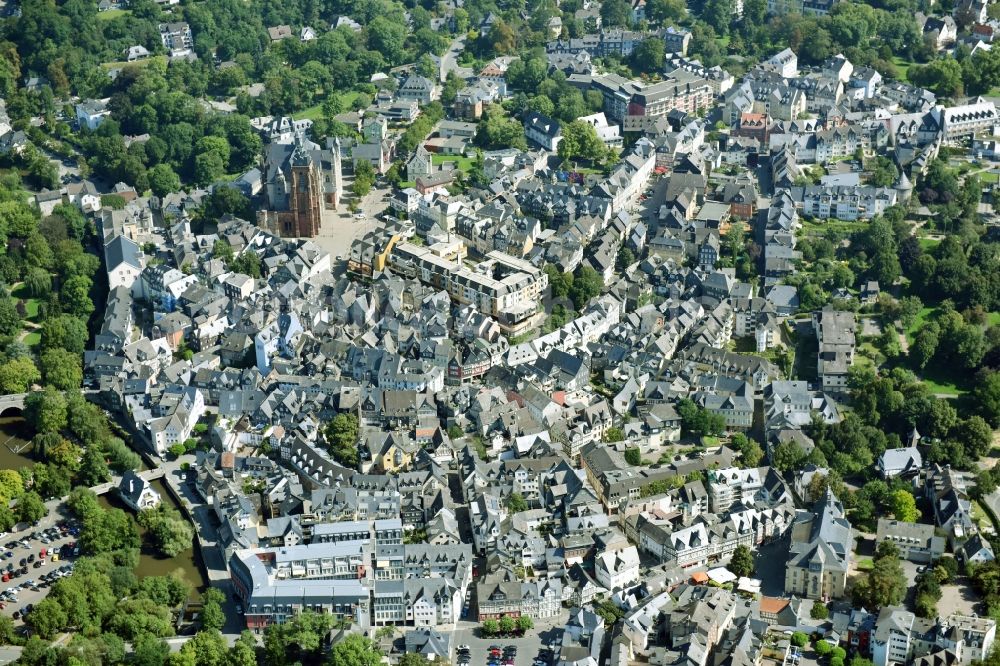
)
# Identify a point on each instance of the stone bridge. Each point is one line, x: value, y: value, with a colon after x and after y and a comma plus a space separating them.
x: 148, y: 475
x: 11, y: 401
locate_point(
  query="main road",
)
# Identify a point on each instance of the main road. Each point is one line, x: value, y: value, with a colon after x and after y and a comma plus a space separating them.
x: 449, y: 61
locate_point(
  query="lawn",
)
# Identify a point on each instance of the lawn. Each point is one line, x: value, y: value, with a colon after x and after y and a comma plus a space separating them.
x: 903, y: 66
x: 112, y: 14
x: 865, y: 564
x: 989, y: 177
x: 921, y: 318
x: 30, y: 304
x: 455, y: 161
x: 981, y: 517
x: 315, y: 112
x: 120, y: 64
x: 939, y: 381
x: 33, y: 339
x: 928, y: 243
x: 820, y: 227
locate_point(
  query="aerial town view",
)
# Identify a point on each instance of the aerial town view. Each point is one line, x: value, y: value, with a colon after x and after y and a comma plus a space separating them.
x: 500, y: 332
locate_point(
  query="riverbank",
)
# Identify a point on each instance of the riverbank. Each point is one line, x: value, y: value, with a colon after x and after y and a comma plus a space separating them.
x: 210, y: 557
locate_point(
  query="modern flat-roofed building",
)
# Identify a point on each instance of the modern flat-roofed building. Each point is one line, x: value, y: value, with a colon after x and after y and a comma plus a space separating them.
x: 916, y: 543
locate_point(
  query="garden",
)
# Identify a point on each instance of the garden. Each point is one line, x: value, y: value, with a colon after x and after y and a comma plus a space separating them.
x: 506, y: 627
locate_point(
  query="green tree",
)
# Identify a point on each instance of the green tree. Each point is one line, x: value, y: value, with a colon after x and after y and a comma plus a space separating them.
x: 170, y: 532
x: 163, y: 180
x: 208, y: 168
x: 587, y: 283
x: 75, y: 296
x: 516, y: 503
x: 10, y: 320
x: 93, y: 468
x: 942, y: 76
x: 819, y: 611
x: 613, y: 434
x: 580, y: 141
x: 924, y: 346
x: 11, y: 485
x: 718, y: 14
x: 884, y: 586
x: 650, y: 55
x: 986, y: 396
x: 149, y: 650
x: 47, y: 618
x: 83, y: 503
x: 66, y: 332
x: 7, y: 634
x: 496, y: 131
x: 212, y: 616
x: 799, y: 639
x: 663, y: 12
x: 31, y: 508
x: 507, y: 624
x: 904, y: 506
x: 355, y: 650
x: 741, y: 562
x: 17, y: 375
x: 633, y: 456
x: 299, y: 640
x: 750, y: 451
x: 525, y: 624
x: 38, y: 282
x: 787, y: 456
x: 616, y: 13
x: 61, y: 369
x: 109, y: 531
x: 45, y: 410
x: 490, y: 627
x: 883, y: 172
x: 206, y: 648
x: 244, y: 651
x: 387, y: 38
x: 977, y: 435
x: 625, y: 258
x: 221, y: 249
x: 342, y: 435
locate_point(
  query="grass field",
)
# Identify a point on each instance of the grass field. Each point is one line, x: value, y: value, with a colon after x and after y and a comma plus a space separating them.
x: 456, y: 161
x: 820, y: 227
x: 30, y: 304
x: 903, y: 66
x: 943, y: 380
x: 941, y: 384
x: 315, y: 112
x: 119, y: 64
x: 112, y: 14
x: 922, y: 316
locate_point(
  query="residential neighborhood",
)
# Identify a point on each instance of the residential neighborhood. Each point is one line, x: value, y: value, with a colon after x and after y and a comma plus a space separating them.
x: 567, y: 334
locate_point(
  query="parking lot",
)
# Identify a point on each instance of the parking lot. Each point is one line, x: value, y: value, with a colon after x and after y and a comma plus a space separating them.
x: 479, y: 648
x: 28, y: 573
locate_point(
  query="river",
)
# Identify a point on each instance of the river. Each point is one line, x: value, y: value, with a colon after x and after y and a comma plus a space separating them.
x: 14, y: 432
x: 187, y: 563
